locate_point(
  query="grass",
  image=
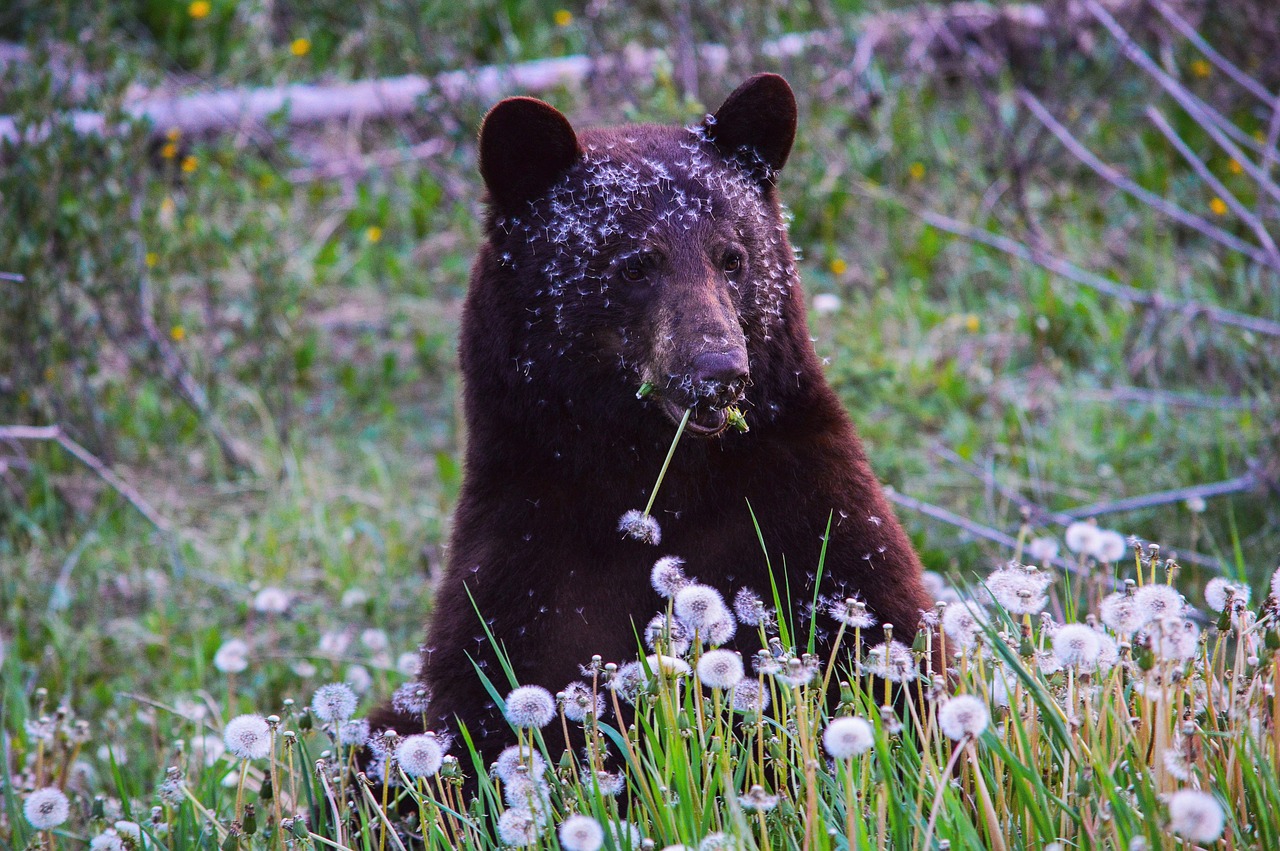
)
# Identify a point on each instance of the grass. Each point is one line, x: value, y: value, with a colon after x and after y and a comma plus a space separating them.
x: 318, y: 315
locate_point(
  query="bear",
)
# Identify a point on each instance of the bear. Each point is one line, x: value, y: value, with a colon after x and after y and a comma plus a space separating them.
x: 629, y: 275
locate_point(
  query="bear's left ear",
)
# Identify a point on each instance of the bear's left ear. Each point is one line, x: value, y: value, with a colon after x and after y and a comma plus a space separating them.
x: 758, y: 119
x: 525, y: 146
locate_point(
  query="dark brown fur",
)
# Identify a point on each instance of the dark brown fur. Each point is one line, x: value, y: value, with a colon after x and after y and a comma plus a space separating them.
x: 553, y: 351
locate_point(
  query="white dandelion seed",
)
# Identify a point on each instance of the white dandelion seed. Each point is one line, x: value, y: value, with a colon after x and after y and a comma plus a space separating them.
x: 749, y: 697
x: 698, y: 606
x: 581, y: 833
x: 1077, y: 645
x: 511, y: 760
x: 334, y: 643
x: 247, y: 737
x: 824, y: 304
x: 353, y: 733
x: 530, y: 706
x: 271, y: 601
x: 232, y: 656
x: 610, y: 784
x: 637, y: 525
x: 1042, y: 550
x: 1173, y: 639
x: 518, y: 827
x: 963, y: 716
x: 757, y: 800
x: 721, y: 630
x: 667, y: 634
x: 1220, y: 590
x: 1196, y: 815
x: 108, y: 840
x: 375, y: 639
x: 46, y: 808
x: 667, y: 576
x: 892, y: 661
x: 719, y: 841
x: 750, y: 609
x: 420, y: 755
x: 1081, y: 537
x: 851, y: 612
x: 334, y: 702
x: 625, y: 835
x: 670, y: 667
x: 1121, y: 612
x: 412, y: 698
x: 1109, y: 547
x: 720, y: 669
x: 847, y: 737
x: 1020, y: 589
x: 796, y: 672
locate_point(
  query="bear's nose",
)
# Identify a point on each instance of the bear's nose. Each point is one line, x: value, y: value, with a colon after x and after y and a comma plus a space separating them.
x: 721, y: 373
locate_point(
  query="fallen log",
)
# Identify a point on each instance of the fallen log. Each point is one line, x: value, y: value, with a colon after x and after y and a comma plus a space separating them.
x: 920, y: 36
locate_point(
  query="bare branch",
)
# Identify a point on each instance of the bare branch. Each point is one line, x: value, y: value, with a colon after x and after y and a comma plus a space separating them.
x: 1113, y: 176
x: 1240, y: 484
x: 1070, y: 271
x: 55, y: 434
x: 1187, y: 31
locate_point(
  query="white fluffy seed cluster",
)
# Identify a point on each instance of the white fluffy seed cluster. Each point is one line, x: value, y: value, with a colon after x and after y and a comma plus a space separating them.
x: 581, y: 833
x: 420, y: 755
x: 845, y: 738
x: 720, y: 669
x: 1196, y: 815
x: 46, y: 808
x: 247, y: 737
x: 334, y: 702
x: 530, y: 706
x: 1103, y: 545
x: 1020, y: 589
x: 963, y: 717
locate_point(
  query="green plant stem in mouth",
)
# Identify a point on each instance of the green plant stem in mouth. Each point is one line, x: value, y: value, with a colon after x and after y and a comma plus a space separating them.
x: 684, y: 421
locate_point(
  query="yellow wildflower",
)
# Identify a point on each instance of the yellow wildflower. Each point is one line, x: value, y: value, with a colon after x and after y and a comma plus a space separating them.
x: 178, y: 333
x: 169, y: 151
x: 173, y: 134
x: 300, y: 46
x: 1201, y: 68
x: 1233, y: 166
x: 373, y: 234
x: 563, y: 17
x: 838, y: 266
x: 972, y: 323
x: 199, y: 9
x: 916, y: 170
x: 189, y: 164
x: 1218, y: 206
x: 151, y: 259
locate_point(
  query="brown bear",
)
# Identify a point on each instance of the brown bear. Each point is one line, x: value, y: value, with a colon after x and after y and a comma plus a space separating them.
x: 630, y: 274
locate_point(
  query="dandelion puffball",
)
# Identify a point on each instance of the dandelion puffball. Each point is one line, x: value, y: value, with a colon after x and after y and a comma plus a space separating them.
x: 641, y: 527
x: 845, y: 738
x: 720, y: 669
x: 420, y: 755
x: 1196, y: 815
x: 1220, y: 590
x: 1077, y: 645
x: 667, y: 576
x: 232, y: 657
x: 248, y: 737
x: 518, y: 827
x: 46, y: 808
x: 1109, y: 547
x: 963, y: 716
x: 699, y: 606
x: 581, y: 833
x: 334, y: 702
x: 530, y: 706
x: 1081, y: 537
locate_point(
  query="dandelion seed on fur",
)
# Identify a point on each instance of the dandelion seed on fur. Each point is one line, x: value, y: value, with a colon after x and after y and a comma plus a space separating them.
x: 247, y: 737
x: 847, y: 737
x: 963, y: 716
x: 46, y: 808
x: 334, y: 702
x: 530, y: 706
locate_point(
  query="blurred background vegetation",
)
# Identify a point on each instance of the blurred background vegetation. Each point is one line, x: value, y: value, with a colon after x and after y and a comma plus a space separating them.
x: 254, y: 329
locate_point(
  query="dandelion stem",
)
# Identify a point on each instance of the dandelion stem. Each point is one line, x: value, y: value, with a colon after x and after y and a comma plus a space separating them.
x: 667, y: 461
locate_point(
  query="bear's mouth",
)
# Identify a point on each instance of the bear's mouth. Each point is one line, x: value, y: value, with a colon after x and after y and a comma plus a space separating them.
x: 704, y: 421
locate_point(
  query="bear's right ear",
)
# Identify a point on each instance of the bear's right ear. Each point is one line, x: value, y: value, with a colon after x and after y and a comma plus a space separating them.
x: 525, y: 146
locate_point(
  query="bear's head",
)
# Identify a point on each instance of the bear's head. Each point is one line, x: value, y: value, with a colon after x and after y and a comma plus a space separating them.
x: 651, y: 259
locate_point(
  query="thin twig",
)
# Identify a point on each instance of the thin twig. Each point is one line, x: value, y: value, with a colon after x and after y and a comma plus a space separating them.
x: 12, y: 276
x: 1187, y: 31
x: 1117, y: 179
x: 1198, y: 165
x: 55, y: 434
x: 1240, y: 484
x: 1070, y: 271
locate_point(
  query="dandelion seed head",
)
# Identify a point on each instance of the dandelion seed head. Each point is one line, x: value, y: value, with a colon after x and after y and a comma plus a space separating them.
x: 334, y: 702
x: 757, y: 800
x: 108, y: 840
x: 721, y: 630
x: 624, y: 834
x: 412, y: 698
x: 1121, y: 612
x: 1081, y: 537
x: 845, y: 738
x: 1173, y: 639
x: 578, y: 703
x: 1077, y: 645
x: 524, y: 791
x: 1042, y: 550
x: 750, y: 609
x: 46, y: 808
x: 963, y: 622
x: 1275, y: 584
x: 1220, y: 590
x: 271, y: 601
x: 1158, y: 601
x: 749, y: 697
x: 1109, y: 547
x: 667, y: 634
x: 581, y: 833
x: 247, y: 737
x: 720, y: 669
x: 698, y: 606
x: 718, y: 841
x: 353, y: 733
x: 1196, y: 815
x: 530, y: 706
x: 892, y: 661
x: 518, y: 827
x: 796, y: 672
x: 629, y: 681
x: 610, y: 784
x: 1175, y: 762
x: 1020, y: 589
x: 667, y: 576
x: 513, y: 758
x: 963, y: 716
x: 851, y: 612
x: 420, y: 755
x: 232, y: 656
x: 641, y: 527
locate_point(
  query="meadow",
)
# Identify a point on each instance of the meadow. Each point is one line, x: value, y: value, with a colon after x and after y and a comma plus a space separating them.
x: 1071, y: 387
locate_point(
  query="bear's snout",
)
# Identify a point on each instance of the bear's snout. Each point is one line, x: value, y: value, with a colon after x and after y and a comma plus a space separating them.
x: 719, y: 377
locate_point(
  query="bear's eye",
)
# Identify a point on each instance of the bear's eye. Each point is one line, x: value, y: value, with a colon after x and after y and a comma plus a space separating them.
x: 633, y: 268
x: 731, y: 262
